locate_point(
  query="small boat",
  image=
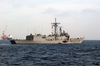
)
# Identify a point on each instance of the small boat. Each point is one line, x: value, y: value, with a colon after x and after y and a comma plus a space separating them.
x: 5, y: 37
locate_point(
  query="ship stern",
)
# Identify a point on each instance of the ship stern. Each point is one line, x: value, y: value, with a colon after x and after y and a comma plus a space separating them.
x: 13, y: 41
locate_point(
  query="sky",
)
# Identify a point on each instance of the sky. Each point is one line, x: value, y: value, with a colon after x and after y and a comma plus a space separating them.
x: 79, y: 18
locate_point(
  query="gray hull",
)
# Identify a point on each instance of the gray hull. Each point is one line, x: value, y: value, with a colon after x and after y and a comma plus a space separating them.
x: 77, y: 40
x: 71, y: 41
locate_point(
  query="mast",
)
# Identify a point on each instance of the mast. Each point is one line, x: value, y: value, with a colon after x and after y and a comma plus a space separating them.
x: 55, y: 28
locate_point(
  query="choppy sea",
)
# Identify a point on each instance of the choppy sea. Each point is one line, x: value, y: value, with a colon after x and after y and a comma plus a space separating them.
x: 85, y: 54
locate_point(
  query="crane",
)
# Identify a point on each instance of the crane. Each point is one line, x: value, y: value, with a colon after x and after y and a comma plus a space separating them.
x: 4, y: 33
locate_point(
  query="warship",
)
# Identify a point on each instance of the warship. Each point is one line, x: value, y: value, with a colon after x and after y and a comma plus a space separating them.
x: 57, y: 38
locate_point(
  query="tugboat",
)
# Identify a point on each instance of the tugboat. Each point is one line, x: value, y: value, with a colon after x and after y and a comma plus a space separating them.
x: 61, y: 38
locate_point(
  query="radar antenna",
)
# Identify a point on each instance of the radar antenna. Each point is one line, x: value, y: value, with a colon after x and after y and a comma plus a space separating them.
x: 60, y: 29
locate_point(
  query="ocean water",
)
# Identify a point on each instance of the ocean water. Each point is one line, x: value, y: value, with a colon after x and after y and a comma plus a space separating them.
x: 85, y: 54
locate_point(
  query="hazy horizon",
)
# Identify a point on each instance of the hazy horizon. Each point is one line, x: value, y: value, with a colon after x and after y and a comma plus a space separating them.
x: 80, y: 18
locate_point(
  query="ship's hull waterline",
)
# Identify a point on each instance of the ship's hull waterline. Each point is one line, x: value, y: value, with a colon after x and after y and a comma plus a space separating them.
x: 72, y: 41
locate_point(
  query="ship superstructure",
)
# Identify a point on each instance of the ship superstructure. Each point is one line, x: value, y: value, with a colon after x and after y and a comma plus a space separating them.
x: 61, y: 38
